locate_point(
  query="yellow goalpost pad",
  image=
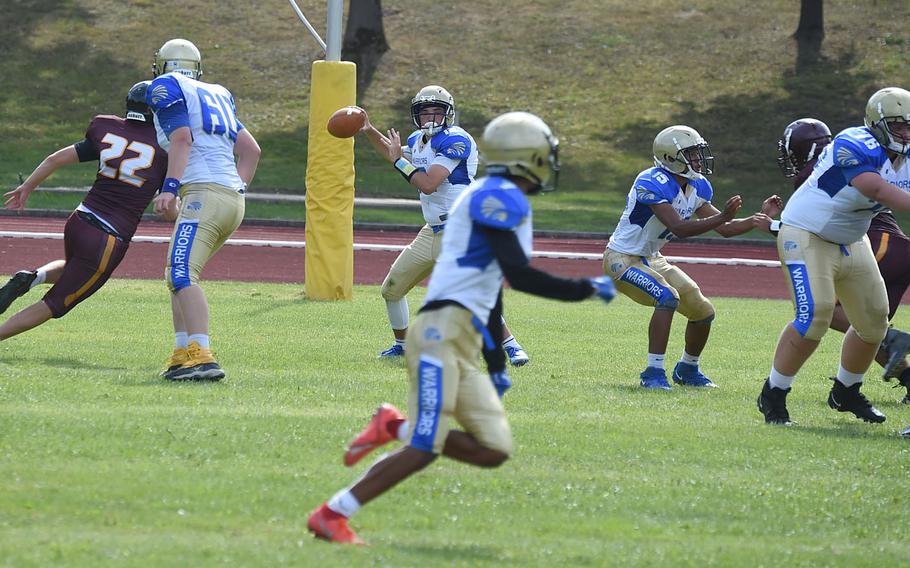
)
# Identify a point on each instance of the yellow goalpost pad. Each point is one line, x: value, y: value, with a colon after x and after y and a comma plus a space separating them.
x: 329, y: 263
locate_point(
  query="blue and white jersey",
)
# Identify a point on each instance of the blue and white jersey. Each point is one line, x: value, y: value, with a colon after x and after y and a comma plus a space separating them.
x: 453, y: 149
x: 466, y: 271
x: 208, y: 110
x: 826, y: 204
x: 639, y: 232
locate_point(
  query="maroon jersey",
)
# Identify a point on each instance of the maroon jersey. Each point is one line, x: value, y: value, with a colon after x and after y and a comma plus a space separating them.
x: 131, y: 168
x: 803, y: 174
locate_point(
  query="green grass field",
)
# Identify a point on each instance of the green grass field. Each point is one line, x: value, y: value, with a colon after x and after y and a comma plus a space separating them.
x: 607, y: 76
x: 104, y: 464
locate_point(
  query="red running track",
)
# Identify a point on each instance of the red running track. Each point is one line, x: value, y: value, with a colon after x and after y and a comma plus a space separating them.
x: 274, y: 264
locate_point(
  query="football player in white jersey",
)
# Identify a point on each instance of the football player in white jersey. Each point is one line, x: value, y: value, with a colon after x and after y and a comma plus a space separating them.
x: 826, y: 255
x: 440, y: 160
x: 659, y: 207
x: 488, y: 238
x: 198, y: 126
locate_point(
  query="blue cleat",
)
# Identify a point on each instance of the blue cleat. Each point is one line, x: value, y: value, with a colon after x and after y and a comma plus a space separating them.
x: 517, y: 356
x: 654, y: 378
x: 393, y: 351
x: 691, y: 376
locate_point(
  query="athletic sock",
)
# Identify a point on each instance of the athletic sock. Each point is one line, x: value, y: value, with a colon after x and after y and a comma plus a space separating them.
x: 847, y: 378
x: 689, y: 359
x: 201, y: 338
x: 510, y: 342
x: 780, y: 381
x: 656, y: 360
x: 40, y: 277
x: 398, y: 429
x: 181, y: 340
x: 400, y: 342
x: 344, y: 503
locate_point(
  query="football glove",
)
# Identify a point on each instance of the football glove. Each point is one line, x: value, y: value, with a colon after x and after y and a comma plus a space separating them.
x: 606, y: 289
x: 501, y: 382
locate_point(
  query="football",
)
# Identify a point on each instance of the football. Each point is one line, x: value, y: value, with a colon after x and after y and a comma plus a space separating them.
x: 345, y: 122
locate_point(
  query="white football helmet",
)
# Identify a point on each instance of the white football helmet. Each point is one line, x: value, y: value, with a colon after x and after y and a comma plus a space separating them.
x: 681, y: 150
x: 521, y: 144
x: 178, y: 55
x: 433, y: 95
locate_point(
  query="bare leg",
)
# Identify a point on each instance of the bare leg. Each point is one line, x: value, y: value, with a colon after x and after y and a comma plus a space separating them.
x: 697, y: 337
x: 856, y: 355
x: 406, y: 461
x: 24, y: 320
x: 793, y: 350
x: 659, y: 331
x: 177, y: 313
x: 53, y: 270
x: 400, y: 333
x: 195, y: 309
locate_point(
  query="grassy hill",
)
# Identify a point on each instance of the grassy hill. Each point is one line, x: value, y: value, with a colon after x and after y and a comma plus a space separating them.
x: 607, y: 75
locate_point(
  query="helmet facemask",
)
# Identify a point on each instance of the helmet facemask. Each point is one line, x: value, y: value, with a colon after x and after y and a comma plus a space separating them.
x: 697, y: 159
x: 446, y: 115
x: 899, y: 141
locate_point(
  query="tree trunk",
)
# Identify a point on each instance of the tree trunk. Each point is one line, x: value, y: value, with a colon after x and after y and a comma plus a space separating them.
x: 364, y: 40
x: 810, y: 33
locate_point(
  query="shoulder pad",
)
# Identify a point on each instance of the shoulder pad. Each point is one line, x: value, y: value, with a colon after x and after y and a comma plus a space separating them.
x: 654, y: 186
x: 453, y: 143
x: 414, y: 137
x: 849, y: 152
x: 703, y: 188
x: 498, y: 207
x: 163, y: 92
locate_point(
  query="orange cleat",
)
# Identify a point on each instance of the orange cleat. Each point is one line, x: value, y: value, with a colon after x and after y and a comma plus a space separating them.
x: 374, y: 435
x: 328, y: 525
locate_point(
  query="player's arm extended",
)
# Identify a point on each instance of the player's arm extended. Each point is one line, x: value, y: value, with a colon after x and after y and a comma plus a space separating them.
x: 522, y: 276
x: 736, y: 226
x: 248, y: 152
x: 691, y: 227
x: 876, y: 188
x: 17, y: 198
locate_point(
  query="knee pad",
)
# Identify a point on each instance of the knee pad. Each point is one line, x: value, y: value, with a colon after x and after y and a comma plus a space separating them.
x: 667, y: 301
x: 388, y: 290
x: 703, y: 321
x: 812, y: 321
x: 872, y: 327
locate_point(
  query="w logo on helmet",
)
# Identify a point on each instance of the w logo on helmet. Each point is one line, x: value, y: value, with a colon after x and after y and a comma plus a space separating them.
x: 494, y: 209
x: 846, y: 158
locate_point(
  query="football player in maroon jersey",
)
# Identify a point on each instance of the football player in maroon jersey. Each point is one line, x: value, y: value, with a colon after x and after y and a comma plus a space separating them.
x: 798, y: 150
x: 131, y: 168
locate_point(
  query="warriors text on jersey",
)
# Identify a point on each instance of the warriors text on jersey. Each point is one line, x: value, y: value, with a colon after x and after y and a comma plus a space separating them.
x: 467, y: 271
x: 639, y: 231
x: 455, y: 150
x: 826, y: 204
x: 208, y: 110
x: 131, y: 167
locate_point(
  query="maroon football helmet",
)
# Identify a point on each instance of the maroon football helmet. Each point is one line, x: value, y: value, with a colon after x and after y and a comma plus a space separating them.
x: 801, y: 143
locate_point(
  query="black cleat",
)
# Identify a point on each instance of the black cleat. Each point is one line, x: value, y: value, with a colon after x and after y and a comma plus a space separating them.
x: 772, y: 402
x: 896, y: 344
x: 16, y: 287
x: 904, y: 381
x: 906, y: 432
x: 849, y: 399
